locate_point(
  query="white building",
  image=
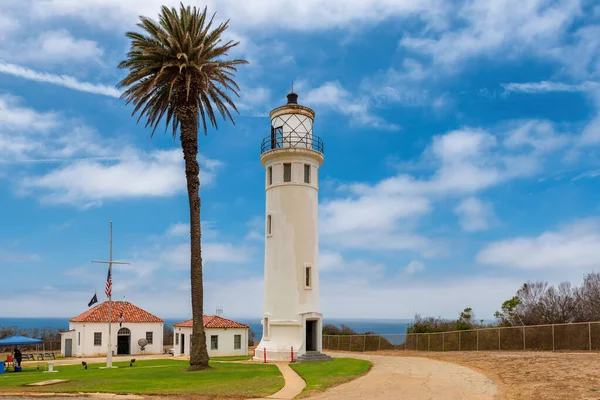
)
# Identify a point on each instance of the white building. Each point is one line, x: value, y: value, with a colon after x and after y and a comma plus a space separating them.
x: 291, y: 156
x: 224, y: 337
x: 88, y: 332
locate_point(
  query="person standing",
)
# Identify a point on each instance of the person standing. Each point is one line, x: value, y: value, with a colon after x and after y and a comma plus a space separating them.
x: 18, y: 357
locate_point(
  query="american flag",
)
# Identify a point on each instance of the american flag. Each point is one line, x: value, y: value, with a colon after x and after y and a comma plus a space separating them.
x: 108, y: 289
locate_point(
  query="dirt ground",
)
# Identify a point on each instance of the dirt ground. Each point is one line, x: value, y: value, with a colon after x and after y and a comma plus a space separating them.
x: 528, y: 375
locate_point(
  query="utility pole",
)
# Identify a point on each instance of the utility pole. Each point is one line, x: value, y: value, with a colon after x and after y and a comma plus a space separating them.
x: 110, y: 263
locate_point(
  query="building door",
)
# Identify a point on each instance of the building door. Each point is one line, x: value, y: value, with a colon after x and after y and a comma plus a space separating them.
x: 182, y: 343
x: 123, y: 341
x: 68, y: 347
x: 311, y: 335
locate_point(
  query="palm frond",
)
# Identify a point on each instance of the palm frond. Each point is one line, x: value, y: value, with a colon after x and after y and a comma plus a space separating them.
x: 177, y: 62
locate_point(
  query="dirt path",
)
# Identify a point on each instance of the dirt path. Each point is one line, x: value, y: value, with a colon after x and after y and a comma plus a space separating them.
x: 412, y: 378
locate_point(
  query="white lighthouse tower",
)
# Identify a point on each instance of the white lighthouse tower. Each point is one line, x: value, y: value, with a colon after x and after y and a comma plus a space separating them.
x: 291, y: 155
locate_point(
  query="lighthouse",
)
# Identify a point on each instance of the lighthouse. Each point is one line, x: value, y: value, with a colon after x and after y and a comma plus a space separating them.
x: 291, y: 155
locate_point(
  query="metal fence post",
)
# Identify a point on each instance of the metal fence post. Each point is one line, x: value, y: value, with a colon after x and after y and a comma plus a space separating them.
x: 553, y: 349
x: 429, y: 342
x: 443, y: 341
x: 350, y: 344
x: 590, y: 334
x: 499, y: 339
x: 364, y: 343
x: 328, y: 340
x: 405, y: 340
x: 477, y: 339
x: 417, y: 347
x: 379, y: 345
x: 459, y: 332
x: 523, y: 337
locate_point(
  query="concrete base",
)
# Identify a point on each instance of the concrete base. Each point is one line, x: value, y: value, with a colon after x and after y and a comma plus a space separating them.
x: 314, y: 356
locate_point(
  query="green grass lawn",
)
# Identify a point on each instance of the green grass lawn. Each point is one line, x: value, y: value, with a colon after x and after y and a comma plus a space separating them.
x: 154, y: 377
x: 321, y: 375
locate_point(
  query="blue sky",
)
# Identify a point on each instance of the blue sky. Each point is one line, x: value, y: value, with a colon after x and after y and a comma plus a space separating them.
x: 462, y: 155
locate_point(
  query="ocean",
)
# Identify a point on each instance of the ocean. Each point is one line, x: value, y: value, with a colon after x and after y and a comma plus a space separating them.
x: 380, y: 326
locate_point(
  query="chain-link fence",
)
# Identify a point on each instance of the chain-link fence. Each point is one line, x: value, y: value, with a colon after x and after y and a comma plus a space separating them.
x: 576, y: 336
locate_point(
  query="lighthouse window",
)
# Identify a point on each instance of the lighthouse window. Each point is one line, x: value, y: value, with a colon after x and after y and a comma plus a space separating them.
x: 307, y: 277
x: 287, y: 172
x: 306, y: 173
x: 268, y: 225
x: 270, y: 175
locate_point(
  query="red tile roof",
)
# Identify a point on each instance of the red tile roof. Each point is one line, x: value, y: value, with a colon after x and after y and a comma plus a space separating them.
x: 212, y: 321
x: 131, y: 314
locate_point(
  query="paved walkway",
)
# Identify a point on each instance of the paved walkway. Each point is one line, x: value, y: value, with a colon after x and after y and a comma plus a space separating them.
x: 392, y: 378
x: 412, y: 378
x: 293, y: 383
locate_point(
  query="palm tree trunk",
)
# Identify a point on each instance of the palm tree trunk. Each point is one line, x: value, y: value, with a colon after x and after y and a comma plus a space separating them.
x: 189, y: 142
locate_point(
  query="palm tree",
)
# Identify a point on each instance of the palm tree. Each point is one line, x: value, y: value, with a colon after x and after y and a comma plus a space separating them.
x: 178, y: 69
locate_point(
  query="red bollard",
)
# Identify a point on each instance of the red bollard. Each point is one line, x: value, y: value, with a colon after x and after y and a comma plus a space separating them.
x: 292, y: 353
x: 265, y: 354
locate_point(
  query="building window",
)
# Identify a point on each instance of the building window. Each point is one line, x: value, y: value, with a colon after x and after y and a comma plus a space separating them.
x: 287, y: 172
x: 269, y: 231
x: 266, y: 327
x: 149, y: 337
x: 214, y: 342
x: 97, y: 338
x: 307, y: 276
x: 237, y: 342
x: 270, y: 175
x: 177, y: 338
x: 306, y: 173
x: 78, y: 338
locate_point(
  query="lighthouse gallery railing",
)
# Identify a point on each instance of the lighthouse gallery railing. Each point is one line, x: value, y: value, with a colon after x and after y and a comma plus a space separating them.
x: 307, y: 141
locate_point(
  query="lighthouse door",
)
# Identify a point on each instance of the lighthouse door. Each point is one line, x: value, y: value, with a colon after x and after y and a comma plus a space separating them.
x: 276, y: 137
x: 311, y: 335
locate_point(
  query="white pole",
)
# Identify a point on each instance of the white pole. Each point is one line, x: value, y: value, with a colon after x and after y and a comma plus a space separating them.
x: 109, y: 352
x: 110, y: 263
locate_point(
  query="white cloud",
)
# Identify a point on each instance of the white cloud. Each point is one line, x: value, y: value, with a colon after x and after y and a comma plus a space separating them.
x: 254, y: 100
x: 15, y: 117
x: 330, y: 261
x: 287, y: 14
x: 549, y: 86
x: 32, y: 136
x: 178, y: 256
x: 8, y: 256
x: 8, y: 25
x: 414, y: 267
x: 538, y: 134
x: 475, y: 215
x: 60, y: 80
x: 345, y: 297
x: 572, y: 246
x: 403, y: 86
x: 59, y: 47
x: 385, y: 215
x: 333, y: 96
x: 179, y: 229
x: 87, y: 183
x: 507, y: 27
x: 591, y: 132
x: 373, y: 222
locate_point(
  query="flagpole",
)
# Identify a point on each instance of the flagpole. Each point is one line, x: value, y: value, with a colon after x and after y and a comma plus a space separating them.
x: 109, y: 353
x: 110, y: 263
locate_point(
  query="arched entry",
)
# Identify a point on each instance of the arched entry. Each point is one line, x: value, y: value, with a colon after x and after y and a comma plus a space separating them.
x: 123, y: 341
